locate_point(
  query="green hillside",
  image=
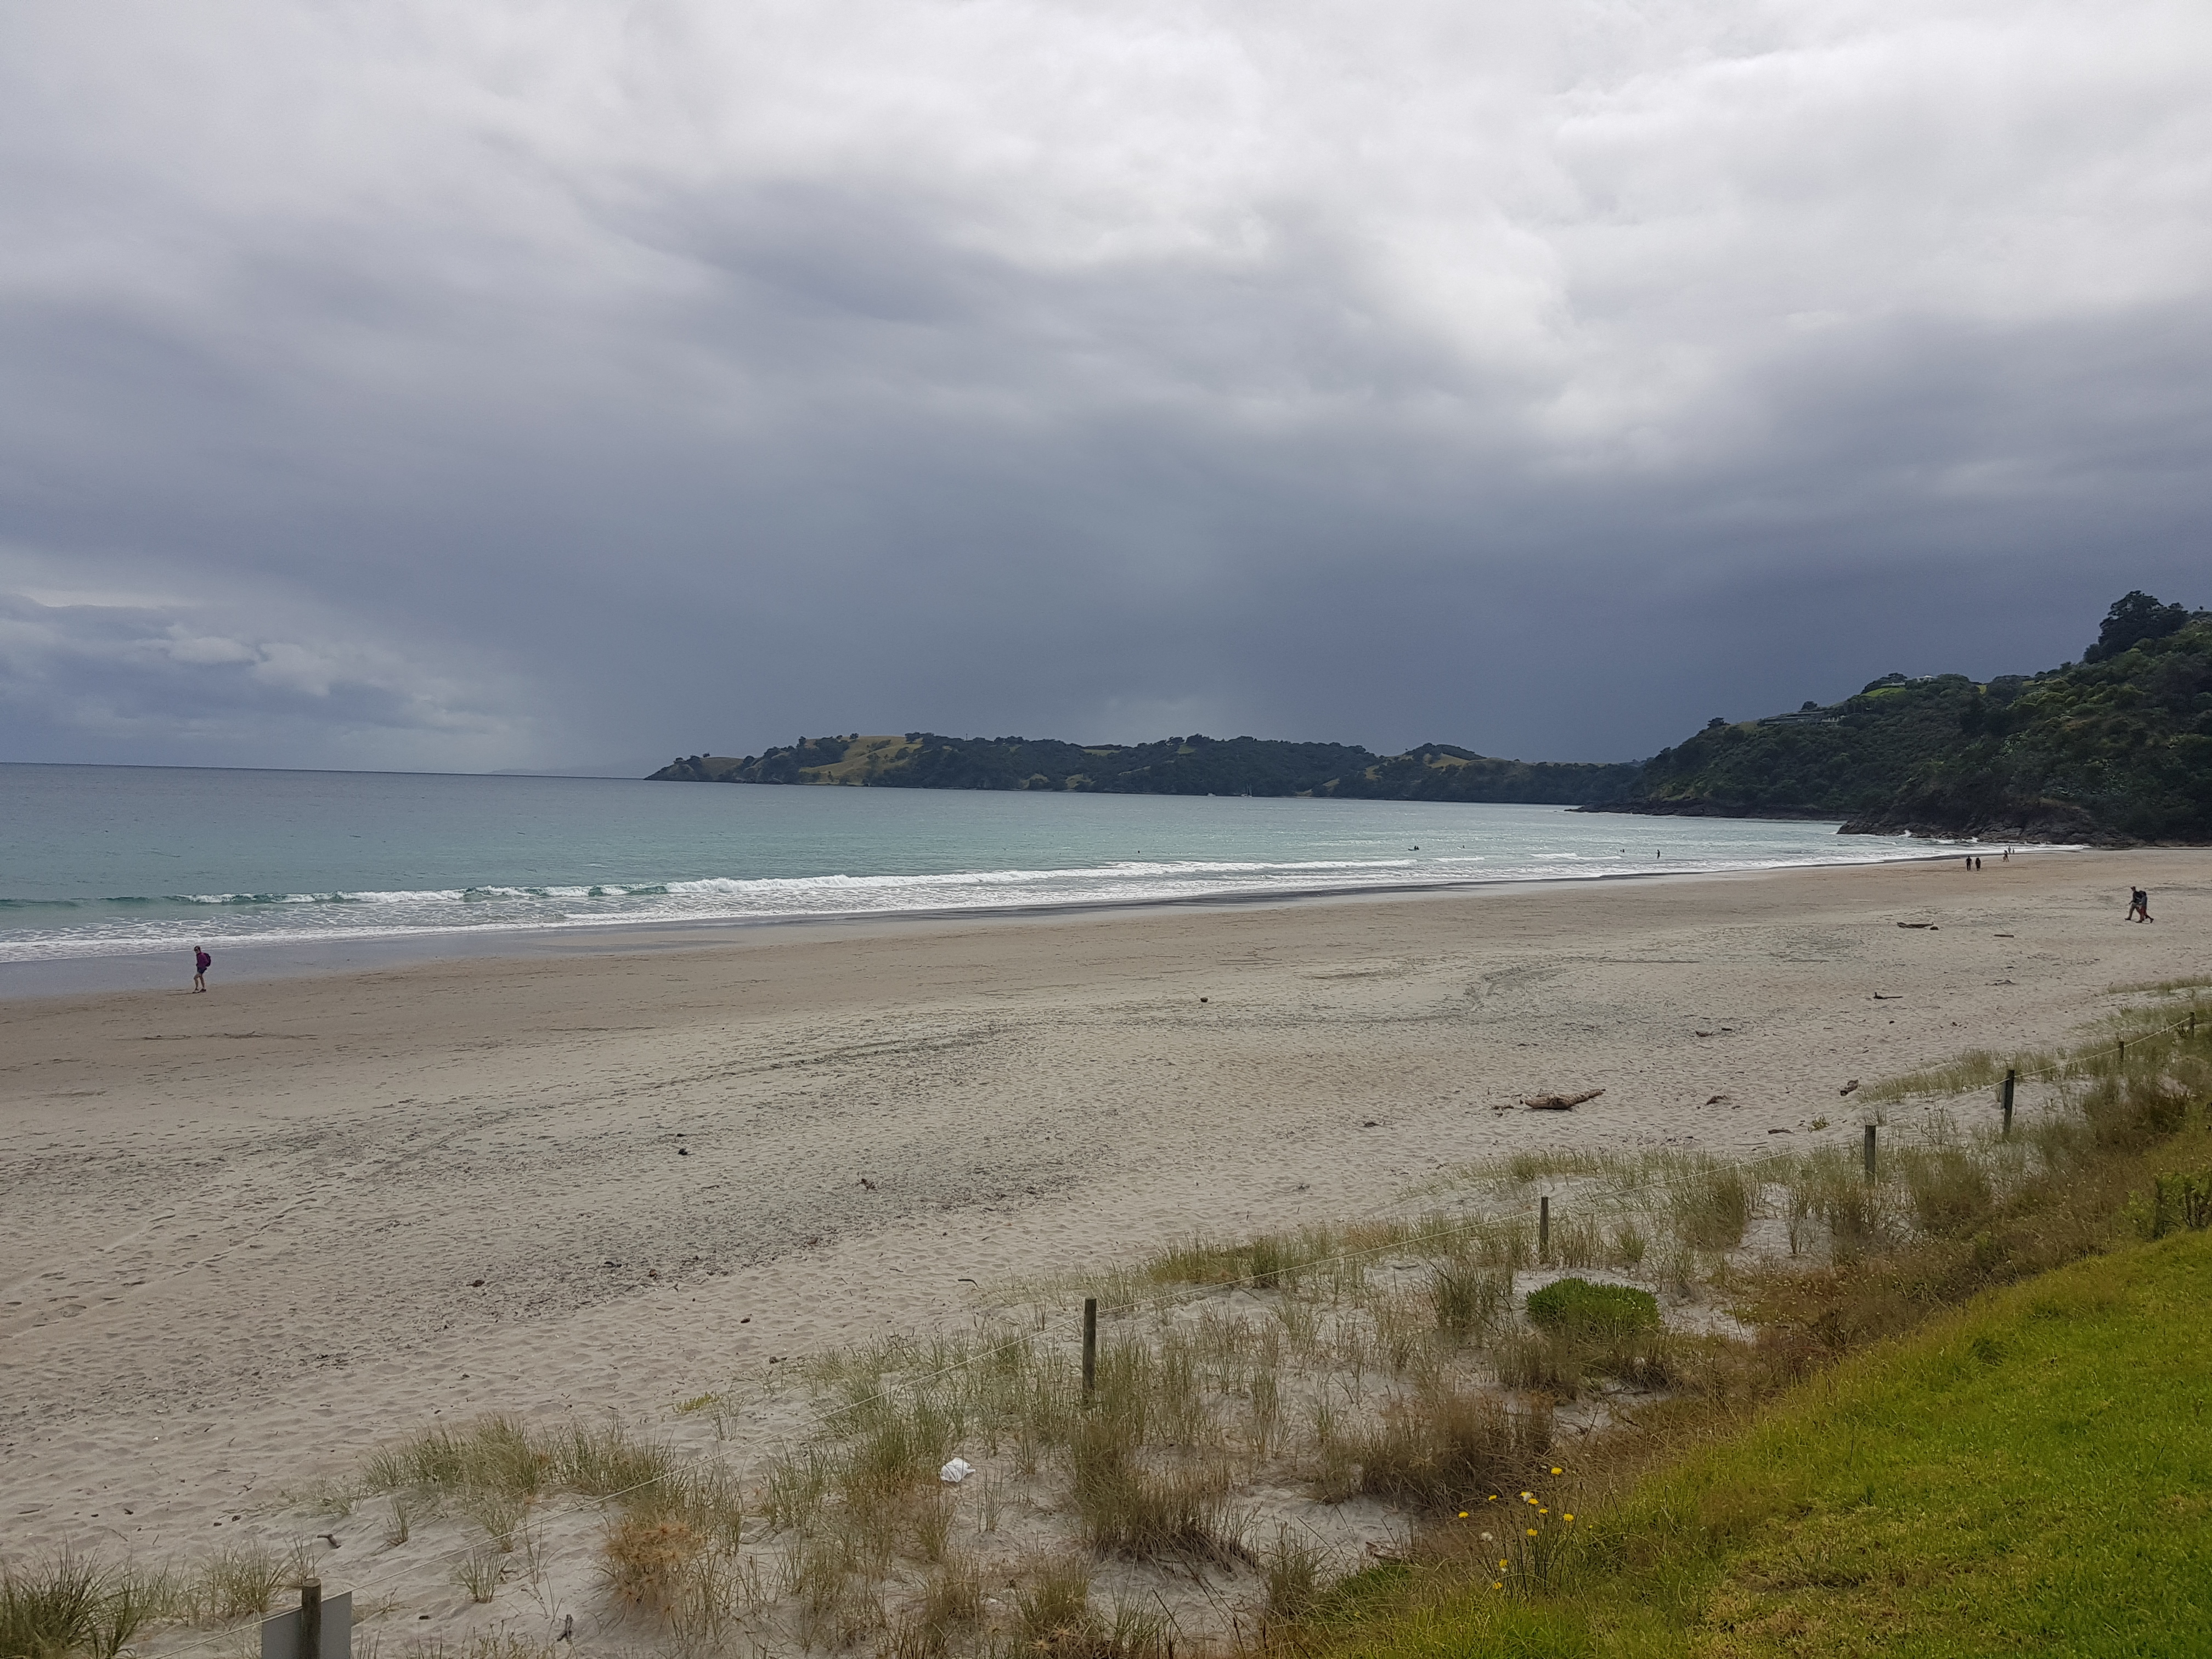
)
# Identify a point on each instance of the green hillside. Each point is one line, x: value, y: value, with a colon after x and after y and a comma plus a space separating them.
x: 2115, y: 748
x: 1194, y: 765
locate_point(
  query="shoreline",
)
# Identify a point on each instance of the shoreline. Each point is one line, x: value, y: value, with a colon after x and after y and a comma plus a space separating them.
x: 151, y: 968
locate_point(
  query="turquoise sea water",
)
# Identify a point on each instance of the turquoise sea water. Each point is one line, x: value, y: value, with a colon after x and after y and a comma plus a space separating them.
x: 116, y: 861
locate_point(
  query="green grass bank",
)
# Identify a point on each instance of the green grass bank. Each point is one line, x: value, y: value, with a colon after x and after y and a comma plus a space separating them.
x: 2030, y: 1473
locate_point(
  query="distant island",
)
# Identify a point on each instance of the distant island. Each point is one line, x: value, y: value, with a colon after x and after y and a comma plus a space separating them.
x: 2114, y: 749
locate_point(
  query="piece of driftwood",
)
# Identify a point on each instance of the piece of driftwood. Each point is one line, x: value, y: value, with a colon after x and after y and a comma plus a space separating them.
x: 1930, y: 926
x: 1558, y: 1103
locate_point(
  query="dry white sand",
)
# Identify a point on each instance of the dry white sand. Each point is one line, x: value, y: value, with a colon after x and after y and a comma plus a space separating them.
x: 244, y: 1236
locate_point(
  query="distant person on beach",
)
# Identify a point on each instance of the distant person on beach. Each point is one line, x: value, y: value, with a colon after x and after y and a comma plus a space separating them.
x: 2139, y: 906
x: 201, y: 962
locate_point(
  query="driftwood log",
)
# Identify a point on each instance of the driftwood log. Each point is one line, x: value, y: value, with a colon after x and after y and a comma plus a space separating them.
x: 1559, y: 1102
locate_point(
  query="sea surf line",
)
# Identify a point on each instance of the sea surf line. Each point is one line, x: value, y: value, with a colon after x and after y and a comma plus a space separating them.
x: 104, y: 861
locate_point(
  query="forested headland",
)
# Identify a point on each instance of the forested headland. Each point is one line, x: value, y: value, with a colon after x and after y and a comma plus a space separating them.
x: 1192, y: 765
x: 2115, y: 748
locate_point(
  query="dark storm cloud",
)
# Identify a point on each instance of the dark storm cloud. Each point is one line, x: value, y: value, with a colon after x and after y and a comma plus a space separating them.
x: 395, y: 385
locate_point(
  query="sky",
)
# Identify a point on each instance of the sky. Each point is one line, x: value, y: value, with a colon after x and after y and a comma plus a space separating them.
x: 555, y: 385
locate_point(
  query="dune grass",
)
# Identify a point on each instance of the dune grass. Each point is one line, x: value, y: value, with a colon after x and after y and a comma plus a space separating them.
x: 69, y: 1606
x: 2164, y: 1027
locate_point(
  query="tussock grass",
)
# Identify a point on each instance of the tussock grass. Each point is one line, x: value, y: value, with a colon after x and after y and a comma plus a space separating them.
x: 480, y: 1573
x: 1711, y: 1207
x: 1467, y: 1299
x: 497, y: 1457
x: 71, y: 1606
x: 1148, y: 1513
x: 1442, y: 1445
x: 1293, y: 1566
x: 238, y: 1582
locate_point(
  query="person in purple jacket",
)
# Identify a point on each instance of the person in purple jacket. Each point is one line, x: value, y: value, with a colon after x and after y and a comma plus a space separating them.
x: 201, y: 962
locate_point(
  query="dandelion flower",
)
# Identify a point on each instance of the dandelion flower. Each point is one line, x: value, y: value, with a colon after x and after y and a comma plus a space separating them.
x: 1557, y: 1470
x: 1569, y: 1515
x: 1463, y: 1515
x: 1501, y: 1566
x: 1532, y: 1532
x: 1497, y: 1587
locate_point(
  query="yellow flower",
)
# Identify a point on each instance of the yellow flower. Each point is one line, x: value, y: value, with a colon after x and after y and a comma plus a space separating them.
x: 1569, y: 1515
x: 1501, y: 1566
x: 1497, y: 1587
x: 1493, y: 1497
x: 1463, y: 1515
x: 1529, y: 1496
x: 1541, y: 1511
x: 1532, y: 1532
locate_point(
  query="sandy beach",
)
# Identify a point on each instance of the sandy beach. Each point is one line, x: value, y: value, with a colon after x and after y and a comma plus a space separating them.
x: 248, y: 1235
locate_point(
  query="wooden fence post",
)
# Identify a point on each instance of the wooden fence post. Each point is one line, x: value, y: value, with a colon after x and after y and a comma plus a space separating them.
x: 310, y: 1619
x: 2010, y: 1077
x: 1089, y: 1348
x: 1869, y: 1152
x: 1544, y: 1229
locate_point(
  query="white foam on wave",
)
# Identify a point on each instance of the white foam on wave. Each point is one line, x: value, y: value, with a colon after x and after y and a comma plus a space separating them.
x: 245, y: 919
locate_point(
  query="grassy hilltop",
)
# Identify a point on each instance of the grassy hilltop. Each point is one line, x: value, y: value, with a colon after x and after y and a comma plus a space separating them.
x: 1194, y: 765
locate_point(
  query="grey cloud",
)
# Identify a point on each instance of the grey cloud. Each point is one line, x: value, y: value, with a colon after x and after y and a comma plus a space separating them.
x: 523, y: 384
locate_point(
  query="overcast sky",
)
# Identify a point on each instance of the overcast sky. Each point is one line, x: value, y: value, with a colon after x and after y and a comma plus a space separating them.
x: 550, y: 386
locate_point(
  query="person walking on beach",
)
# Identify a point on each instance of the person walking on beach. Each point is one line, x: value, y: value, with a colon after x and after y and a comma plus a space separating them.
x: 201, y: 962
x: 2139, y: 906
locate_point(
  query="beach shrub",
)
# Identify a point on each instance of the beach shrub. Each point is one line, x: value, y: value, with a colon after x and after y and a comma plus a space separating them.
x: 1602, y: 1313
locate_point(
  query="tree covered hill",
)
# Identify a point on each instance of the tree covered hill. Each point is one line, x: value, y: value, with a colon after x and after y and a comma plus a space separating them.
x: 1194, y: 765
x: 2117, y: 747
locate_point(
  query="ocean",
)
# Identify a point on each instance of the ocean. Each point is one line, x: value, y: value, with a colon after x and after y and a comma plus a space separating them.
x: 118, y: 863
